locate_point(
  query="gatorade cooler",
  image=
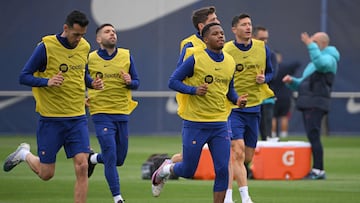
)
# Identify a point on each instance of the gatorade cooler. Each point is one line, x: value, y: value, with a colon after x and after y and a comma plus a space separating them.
x: 205, y: 169
x: 281, y: 160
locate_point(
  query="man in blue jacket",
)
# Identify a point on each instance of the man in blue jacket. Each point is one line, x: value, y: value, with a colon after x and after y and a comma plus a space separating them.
x: 314, y: 89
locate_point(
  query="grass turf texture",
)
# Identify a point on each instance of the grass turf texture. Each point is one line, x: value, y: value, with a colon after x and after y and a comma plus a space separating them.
x: 342, y: 163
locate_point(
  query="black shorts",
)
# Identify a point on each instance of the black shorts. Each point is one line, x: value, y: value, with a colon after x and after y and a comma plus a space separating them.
x: 282, y: 107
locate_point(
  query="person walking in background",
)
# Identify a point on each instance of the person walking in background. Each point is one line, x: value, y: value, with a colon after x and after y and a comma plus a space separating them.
x: 314, y: 91
x: 267, y: 106
x: 253, y: 72
x: 284, y: 96
x: 200, y: 18
x: 111, y: 107
x: 205, y: 81
x: 56, y: 73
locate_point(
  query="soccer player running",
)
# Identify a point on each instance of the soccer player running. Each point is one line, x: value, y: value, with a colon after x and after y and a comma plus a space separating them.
x: 200, y: 18
x: 111, y: 107
x: 253, y: 71
x: 56, y: 73
x: 205, y: 81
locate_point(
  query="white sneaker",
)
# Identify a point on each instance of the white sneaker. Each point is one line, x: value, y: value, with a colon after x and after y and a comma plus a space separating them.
x: 156, y: 189
x: 158, y: 181
x: 283, y: 134
x: 248, y: 201
x: 272, y: 139
x: 15, y: 158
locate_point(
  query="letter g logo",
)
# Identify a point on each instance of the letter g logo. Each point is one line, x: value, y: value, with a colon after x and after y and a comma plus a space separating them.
x: 288, y: 158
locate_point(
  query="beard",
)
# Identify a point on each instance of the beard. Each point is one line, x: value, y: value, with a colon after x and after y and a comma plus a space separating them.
x: 109, y: 45
x: 73, y: 44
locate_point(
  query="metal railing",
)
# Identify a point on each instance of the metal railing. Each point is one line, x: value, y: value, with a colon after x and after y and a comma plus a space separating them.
x: 171, y: 94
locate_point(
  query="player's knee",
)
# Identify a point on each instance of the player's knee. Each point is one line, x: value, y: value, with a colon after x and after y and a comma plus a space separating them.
x: 249, y: 154
x: 239, y: 155
x: 222, y: 172
x: 120, y: 159
x: 46, y: 171
x: 46, y: 176
x: 81, y: 168
x: 189, y: 173
x: 120, y: 162
x: 176, y: 158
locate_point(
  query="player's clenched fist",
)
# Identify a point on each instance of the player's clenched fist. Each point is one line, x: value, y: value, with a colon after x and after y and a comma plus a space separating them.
x: 56, y: 80
x: 98, y: 84
x: 242, y: 100
x: 202, y: 89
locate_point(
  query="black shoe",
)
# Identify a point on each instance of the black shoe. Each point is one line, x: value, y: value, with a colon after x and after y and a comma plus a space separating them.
x: 91, y: 165
x: 121, y: 201
x: 314, y: 176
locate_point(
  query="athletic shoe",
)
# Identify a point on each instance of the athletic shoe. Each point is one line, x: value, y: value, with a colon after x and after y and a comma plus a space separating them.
x: 248, y: 201
x: 15, y: 158
x: 91, y: 166
x: 158, y: 181
x: 314, y: 176
x: 272, y: 139
x: 121, y: 201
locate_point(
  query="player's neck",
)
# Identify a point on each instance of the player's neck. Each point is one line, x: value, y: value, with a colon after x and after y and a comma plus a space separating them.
x: 110, y: 51
x: 244, y: 41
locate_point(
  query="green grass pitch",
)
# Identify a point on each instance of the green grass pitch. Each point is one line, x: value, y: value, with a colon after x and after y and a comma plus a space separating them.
x: 342, y: 163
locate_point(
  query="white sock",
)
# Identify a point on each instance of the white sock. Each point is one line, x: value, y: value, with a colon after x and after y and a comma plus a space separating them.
x: 244, y: 193
x: 117, y: 198
x: 93, y: 158
x: 316, y: 171
x: 23, y: 154
x: 228, y: 196
x: 165, y: 170
x: 283, y: 134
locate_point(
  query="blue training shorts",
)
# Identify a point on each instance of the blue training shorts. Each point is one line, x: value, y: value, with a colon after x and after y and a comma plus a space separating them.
x: 245, y: 126
x: 52, y: 134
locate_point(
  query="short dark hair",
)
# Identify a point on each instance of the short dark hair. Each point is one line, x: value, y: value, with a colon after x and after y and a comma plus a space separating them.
x: 206, y: 28
x: 200, y: 15
x: 102, y: 26
x: 76, y: 17
x: 258, y: 28
x: 236, y: 19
